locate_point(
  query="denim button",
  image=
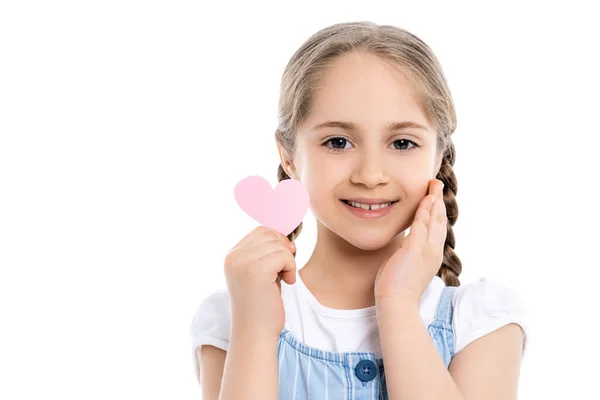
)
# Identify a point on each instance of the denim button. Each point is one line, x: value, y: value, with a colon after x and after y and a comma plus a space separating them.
x: 366, y: 370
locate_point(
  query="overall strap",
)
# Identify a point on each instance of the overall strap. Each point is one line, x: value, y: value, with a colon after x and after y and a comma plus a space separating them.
x: 444, y: 308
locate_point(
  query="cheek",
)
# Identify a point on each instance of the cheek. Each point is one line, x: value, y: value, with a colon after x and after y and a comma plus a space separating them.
x: 410, y: 179
x: 414, y: 184
x: 322, y: 185
x: 323, y: 172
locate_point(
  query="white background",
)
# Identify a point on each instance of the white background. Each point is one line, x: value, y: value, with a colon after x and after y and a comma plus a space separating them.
x: 125, y: 126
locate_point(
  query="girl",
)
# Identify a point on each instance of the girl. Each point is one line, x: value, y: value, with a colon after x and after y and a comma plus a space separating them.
x: 377, y: 312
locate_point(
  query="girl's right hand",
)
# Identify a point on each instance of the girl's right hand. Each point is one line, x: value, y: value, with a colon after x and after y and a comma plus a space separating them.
x: 252, y: 272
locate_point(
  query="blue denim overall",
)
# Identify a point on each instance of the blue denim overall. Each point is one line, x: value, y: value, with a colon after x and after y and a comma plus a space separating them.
x: 307, y: 372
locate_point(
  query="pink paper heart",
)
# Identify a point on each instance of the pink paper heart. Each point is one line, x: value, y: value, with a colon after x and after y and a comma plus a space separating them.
x: 281, y: 209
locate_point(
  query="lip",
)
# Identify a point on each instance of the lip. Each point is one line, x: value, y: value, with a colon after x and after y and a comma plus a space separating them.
x: 369, y: 214
x: 364, y: 200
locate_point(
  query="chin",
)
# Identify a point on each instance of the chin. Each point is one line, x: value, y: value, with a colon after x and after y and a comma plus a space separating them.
x: 367, y: 241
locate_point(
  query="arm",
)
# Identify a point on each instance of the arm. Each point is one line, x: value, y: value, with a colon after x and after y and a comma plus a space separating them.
x: 487, y: 368
x: 211, y: 370
x: 251, y: 366
x: 413, y: 367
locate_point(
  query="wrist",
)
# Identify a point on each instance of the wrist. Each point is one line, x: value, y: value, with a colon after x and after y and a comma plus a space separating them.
x: 252, y: 332
x: 398, y: 303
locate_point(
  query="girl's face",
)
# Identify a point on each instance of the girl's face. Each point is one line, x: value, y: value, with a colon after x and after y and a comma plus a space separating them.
x: 367, y: 160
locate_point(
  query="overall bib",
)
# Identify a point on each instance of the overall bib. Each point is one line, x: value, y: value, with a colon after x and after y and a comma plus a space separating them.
x: 307, y: 372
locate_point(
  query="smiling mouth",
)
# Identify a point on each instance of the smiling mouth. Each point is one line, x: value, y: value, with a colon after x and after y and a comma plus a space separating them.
x: 347, y: 202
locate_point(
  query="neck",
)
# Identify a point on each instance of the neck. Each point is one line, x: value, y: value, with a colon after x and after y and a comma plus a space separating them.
x: 341, y: 275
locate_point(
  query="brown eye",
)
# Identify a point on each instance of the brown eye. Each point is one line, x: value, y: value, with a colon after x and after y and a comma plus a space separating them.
x: 337, y: 143
x: 404, y: 143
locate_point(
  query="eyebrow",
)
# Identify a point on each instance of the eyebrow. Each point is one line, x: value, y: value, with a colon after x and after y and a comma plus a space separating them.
x: 394, y: 126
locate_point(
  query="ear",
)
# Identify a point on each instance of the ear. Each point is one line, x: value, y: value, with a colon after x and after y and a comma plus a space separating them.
x: 286, y: 162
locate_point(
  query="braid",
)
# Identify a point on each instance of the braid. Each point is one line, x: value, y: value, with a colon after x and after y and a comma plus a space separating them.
x: 282, y: 175
x: 451, y: 265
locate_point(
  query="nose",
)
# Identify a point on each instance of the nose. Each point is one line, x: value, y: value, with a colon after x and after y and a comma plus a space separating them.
x: 370, y: 170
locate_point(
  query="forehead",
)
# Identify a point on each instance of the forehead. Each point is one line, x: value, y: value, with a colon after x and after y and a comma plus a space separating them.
x: 366, y: 90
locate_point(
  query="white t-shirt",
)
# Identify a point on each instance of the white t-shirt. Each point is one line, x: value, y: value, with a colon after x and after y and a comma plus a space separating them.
x: 479, y: 308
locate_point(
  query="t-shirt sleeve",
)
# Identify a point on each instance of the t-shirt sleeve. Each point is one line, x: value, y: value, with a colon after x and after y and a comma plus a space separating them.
x: 484, y: 306
x: 211, y: 324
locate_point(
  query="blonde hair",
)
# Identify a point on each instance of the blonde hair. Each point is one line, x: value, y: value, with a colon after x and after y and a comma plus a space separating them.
x: 416, y: 60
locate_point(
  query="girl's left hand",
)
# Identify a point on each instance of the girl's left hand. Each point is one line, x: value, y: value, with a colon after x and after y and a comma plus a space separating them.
x: 409, y: 271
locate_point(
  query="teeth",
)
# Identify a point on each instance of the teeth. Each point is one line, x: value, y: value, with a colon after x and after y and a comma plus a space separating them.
x: 369, y: 206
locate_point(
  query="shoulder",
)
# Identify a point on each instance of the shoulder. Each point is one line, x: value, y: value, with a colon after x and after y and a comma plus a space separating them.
x: 482, y: 307
x: 211, y: 322
x: 211, y: 325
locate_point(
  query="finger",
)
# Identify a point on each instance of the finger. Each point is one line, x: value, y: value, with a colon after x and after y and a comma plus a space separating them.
x: 283, y: 237
x: 255, y: 249
x: 247, y: 238
x: 436, y: 187
x: 437, y: 230
x: 418, y: 230
x: 431, y: 186
x: 281, y: 264
x: 262, y: 230
x: 269, y: 245
x: 273, y: 234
